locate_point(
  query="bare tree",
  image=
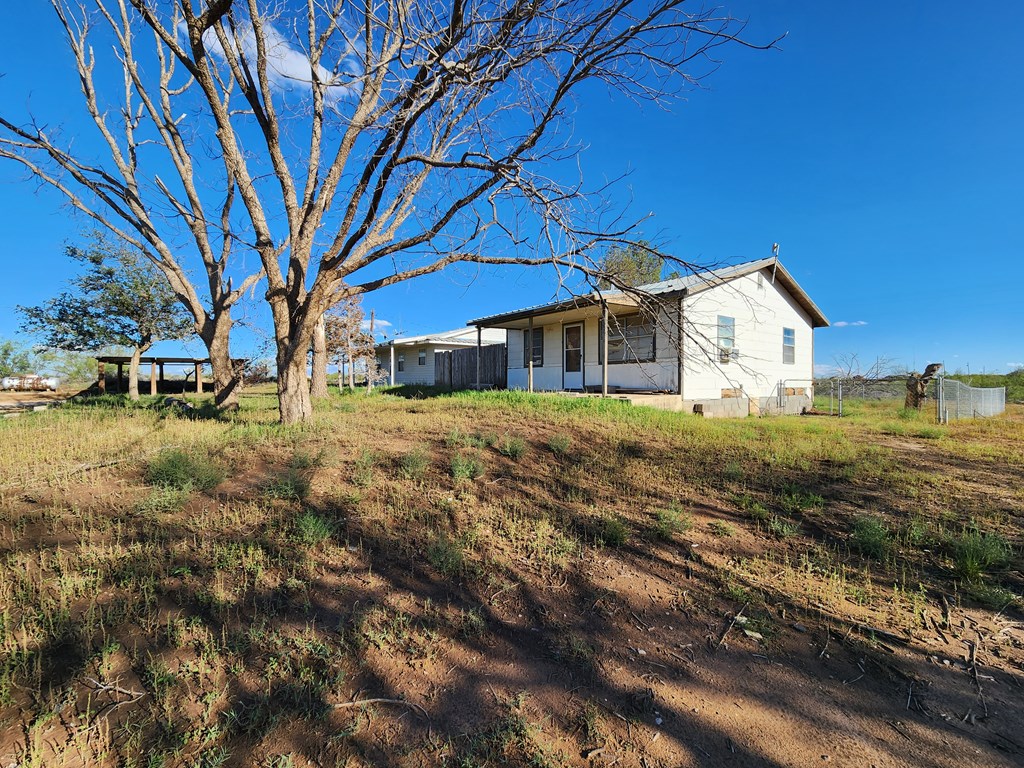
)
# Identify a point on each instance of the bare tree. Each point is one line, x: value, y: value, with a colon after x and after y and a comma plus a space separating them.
x: 347, y: 341
x: 350, y: 145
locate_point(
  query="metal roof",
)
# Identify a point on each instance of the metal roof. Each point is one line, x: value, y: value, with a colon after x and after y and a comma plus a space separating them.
x: 456, y: 337
x: 690, y: 284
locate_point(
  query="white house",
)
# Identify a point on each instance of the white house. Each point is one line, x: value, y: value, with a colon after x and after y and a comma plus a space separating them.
x: 730, y: 341
x: 410, y: 359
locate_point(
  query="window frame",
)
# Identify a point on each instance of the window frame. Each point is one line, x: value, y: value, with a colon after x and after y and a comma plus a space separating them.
x: 421, y: 357
x: 620, y: 330
x: 538, y: 346
x: 790, y: 347
x: 400, y: 364
x: 726, y: 343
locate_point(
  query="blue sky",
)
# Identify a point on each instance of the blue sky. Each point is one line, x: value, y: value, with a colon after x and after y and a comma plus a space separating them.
x: 881, y: 147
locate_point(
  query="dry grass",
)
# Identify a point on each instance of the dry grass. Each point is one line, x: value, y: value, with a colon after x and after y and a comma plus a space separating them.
x: 391, y: 545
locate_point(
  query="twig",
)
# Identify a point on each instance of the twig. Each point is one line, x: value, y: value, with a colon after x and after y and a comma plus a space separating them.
x: 114, y: 688
x: 397, y: 702
x: 828, y: 636
x: 729, y: 626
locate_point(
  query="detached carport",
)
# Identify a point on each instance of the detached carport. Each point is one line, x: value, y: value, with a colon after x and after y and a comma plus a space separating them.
x: 156, y: 370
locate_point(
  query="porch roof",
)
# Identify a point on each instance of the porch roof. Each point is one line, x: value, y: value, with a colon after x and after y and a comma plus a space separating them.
x: 690, y: 284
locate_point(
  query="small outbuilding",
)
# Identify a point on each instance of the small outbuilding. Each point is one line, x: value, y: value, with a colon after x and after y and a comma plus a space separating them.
x: 724, y: 342
x: 411, y: 359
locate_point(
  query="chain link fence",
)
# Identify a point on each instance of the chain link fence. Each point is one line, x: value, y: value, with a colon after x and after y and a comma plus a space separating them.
x: 956, y: 400
x: 952, y: 399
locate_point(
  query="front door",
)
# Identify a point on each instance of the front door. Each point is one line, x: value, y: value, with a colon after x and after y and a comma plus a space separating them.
x: 572, y: 352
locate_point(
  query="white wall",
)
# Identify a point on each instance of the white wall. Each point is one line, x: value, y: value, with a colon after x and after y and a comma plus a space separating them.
x: 657, y: 375
x: 414, y: 373
x: 761, y: 310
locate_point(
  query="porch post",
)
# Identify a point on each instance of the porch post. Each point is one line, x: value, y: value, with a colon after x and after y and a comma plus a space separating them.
x: 392, y: 371
x: 529, y: 355
x: 679, y: 347
x: 479, y: 345
x: 604, y: 350
x: 152, y: 378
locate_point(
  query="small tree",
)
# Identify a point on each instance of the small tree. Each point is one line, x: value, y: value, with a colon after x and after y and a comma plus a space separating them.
x: 14, y: 359
x: 348, y: 341
x: 630, y: 265
x: 120, y: 299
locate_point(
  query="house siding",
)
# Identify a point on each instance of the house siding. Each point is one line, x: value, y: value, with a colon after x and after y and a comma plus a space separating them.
x: 413, y: 373
x: 761, y: 311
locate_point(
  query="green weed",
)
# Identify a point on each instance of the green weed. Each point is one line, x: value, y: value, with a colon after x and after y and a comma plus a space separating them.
x: 512, y: 447
x: 668, y: 522
x: 183, y: 471
x: 872, y: 538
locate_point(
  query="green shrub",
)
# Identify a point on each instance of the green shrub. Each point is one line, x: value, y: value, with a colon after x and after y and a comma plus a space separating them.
x: 613, y: 531
x: 446, y: 556
x: 871, y: 537
x: 414, y: 464
x: 465, y: 467
x: 513, y: 447
x: 363, y: 473
x: 781, y: 528
x: 668, y: 522
x: 560, y: 444
x: 975, y: 553
x: 310, y: 528
x: 183, y: 471
x: 291, y: 486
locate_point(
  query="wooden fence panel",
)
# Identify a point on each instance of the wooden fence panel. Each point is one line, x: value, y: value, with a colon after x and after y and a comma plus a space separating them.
x: 456, y: 369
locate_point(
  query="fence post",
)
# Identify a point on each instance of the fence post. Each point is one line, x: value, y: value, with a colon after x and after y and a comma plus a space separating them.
x: 840, y: 398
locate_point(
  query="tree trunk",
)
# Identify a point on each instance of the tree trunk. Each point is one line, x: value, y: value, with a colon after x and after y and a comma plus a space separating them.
x: 351, y: 363
x: 295, y: 404
x: 318, y: 382
x: 227, y: 379
x: 133, y: 371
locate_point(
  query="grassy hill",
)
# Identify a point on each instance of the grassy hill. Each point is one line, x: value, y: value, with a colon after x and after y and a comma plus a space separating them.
x: 504, y: 579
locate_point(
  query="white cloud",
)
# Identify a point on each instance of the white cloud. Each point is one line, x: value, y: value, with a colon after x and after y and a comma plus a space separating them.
x: 849, y: 324
x: 378, y: 326
x: 1015, y: 365
x: 824, y: 369
x: 287, y: 67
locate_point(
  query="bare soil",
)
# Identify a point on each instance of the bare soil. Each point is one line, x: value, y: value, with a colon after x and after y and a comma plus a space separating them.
x: 721, y: 645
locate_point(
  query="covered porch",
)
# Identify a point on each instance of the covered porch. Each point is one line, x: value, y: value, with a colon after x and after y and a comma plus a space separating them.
x: 599, y: 344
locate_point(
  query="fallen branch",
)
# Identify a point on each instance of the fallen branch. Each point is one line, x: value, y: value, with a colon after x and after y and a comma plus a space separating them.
x: 397, y: 702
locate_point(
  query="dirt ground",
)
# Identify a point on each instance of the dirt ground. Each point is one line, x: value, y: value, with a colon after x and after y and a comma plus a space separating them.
x: 721, y: 646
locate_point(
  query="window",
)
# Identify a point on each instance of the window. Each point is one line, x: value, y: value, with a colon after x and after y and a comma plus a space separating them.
x: 727, y: 339
x: 538, y: 347
x: 422, y: 357
x: 788, y: 346
x: 630, y: 340
x: 401, y: 362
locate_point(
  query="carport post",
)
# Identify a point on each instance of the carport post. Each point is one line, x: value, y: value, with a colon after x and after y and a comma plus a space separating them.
x: 152, y: 378
x: 199, y: 378
x: 479, y: 344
